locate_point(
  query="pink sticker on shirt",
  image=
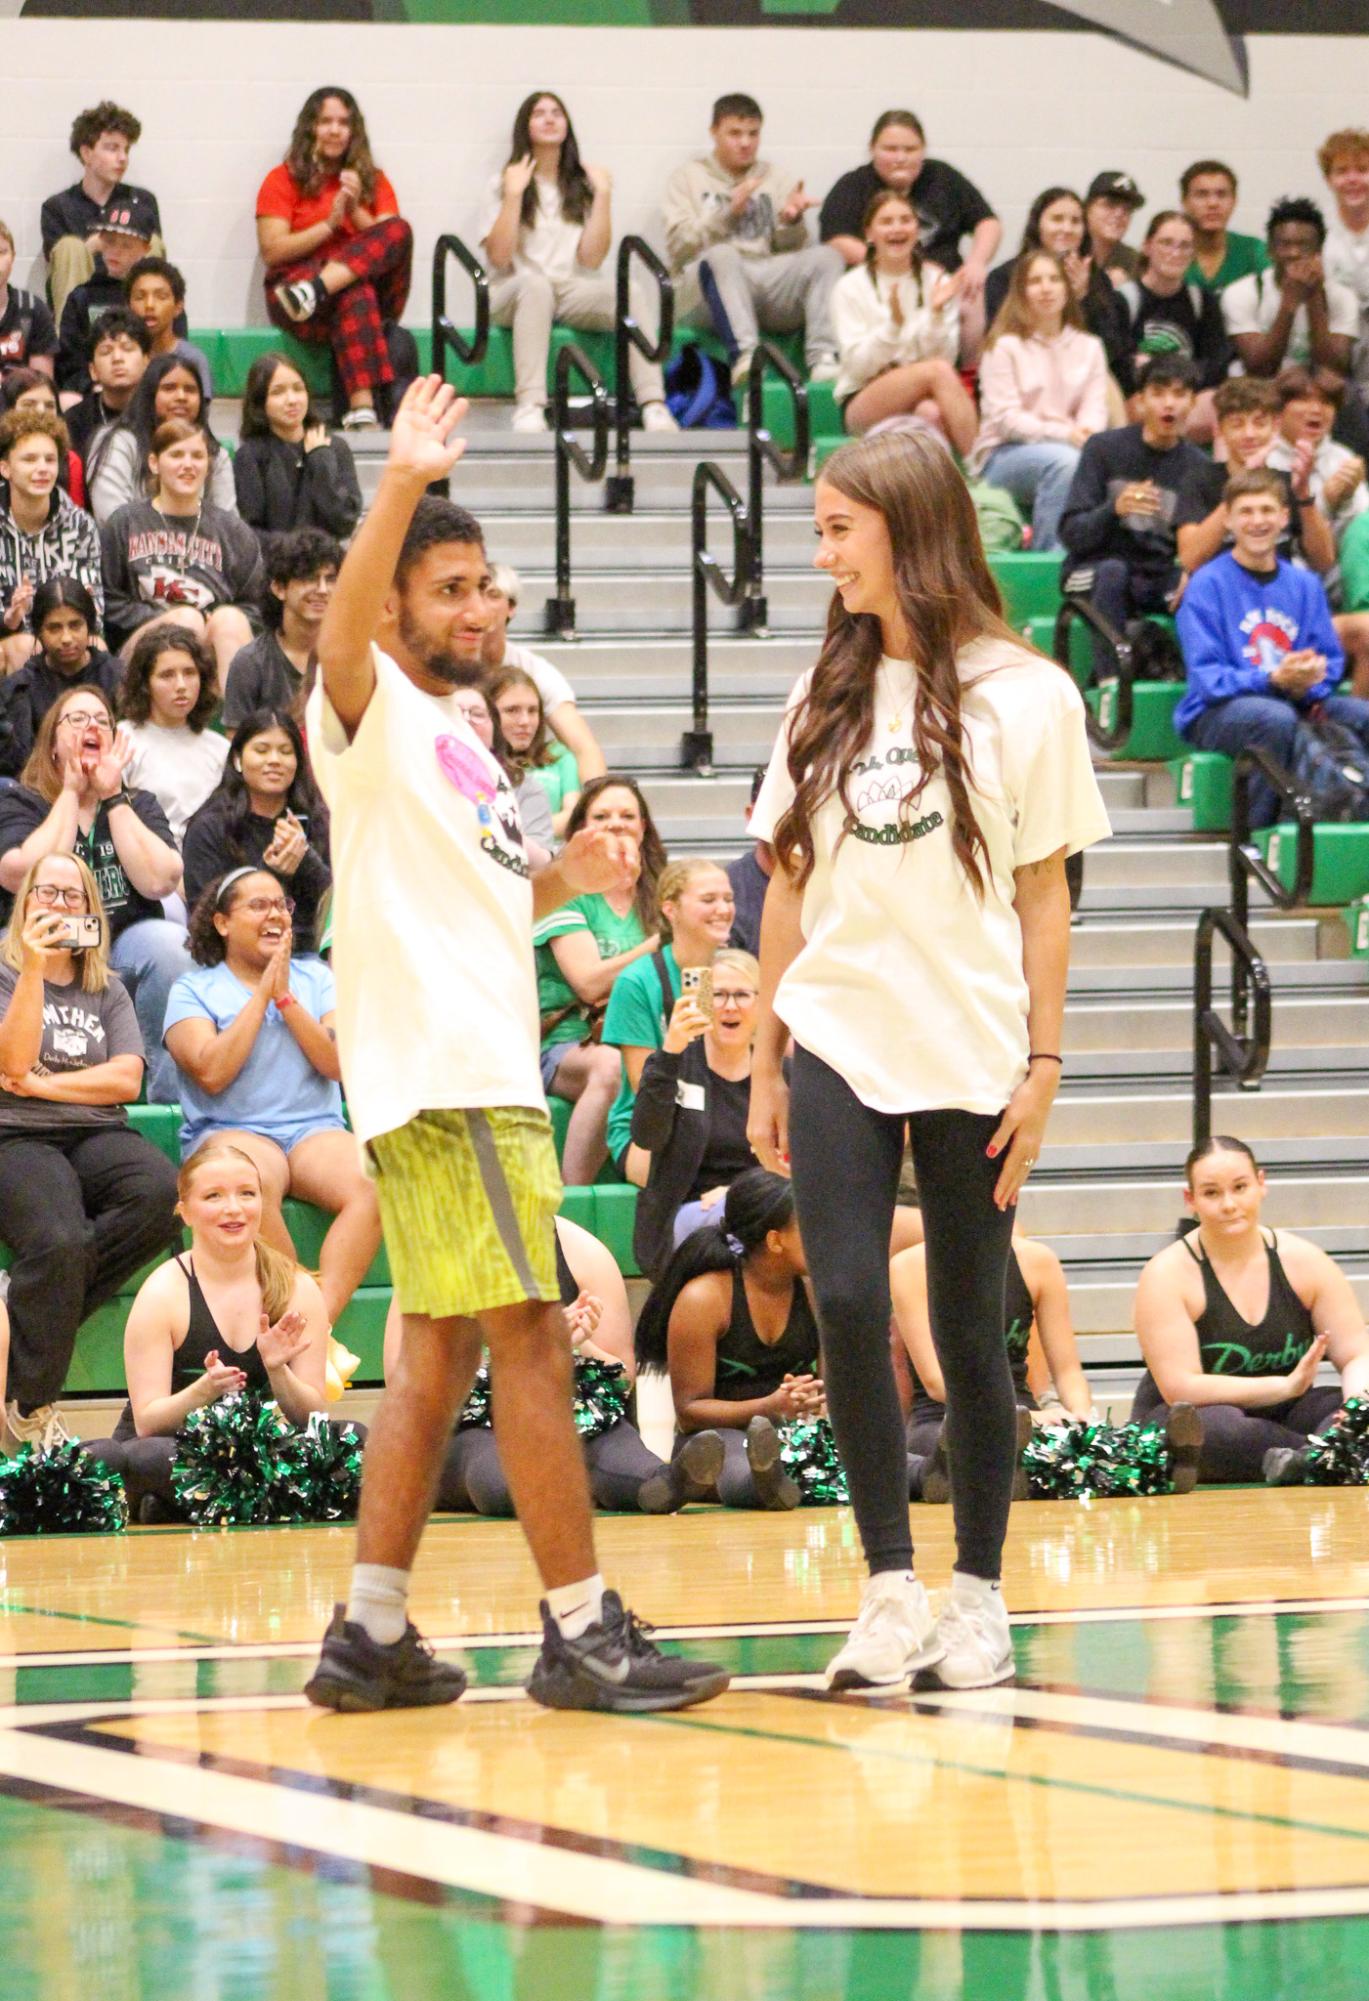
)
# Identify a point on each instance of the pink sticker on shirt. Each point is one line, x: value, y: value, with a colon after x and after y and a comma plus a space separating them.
x: 467, y: 770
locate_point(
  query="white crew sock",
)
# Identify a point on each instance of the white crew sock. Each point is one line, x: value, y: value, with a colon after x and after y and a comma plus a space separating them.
x: 577, y: 1607
x: 891, y: 1581
x: 378, y: 1602
x: 969, y: 1590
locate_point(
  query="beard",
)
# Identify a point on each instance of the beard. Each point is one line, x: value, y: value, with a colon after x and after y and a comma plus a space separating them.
x: 439, y: 661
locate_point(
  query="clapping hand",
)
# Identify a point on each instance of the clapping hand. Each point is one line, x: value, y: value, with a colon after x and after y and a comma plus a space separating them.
x: 220, y: 1379
x: 517, y: 175
x: 423, y: 438
x: 797, y: 1396
x: 582, y: 1317
x: 597, y: 861
x: 743, y: 192
x: 279, y: 1345
x: 20, y: 604
x: 107, y: 771
x: 288, y: 846
x: 1303, y: 1374
x: 600, y: 179
x: 797, y: 205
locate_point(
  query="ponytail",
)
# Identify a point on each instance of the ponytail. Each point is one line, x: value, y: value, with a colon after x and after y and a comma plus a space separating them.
x: 276, y: 1275
x: 757, y: 1203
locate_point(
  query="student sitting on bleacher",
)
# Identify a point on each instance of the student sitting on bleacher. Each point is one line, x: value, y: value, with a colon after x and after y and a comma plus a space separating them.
x: 534, y: 807
x: 66, y: 625
x: 690, y: 1113
x: 546, y: 232
x: 155, y: 291
x: 28, y: 337
x: 337, y: 253
x: 1118, y: 523
x: 289, y: 469
x: 1236, y: 1320
x: 532, y: 750
x: 102, y: 138
x: 251, y: 1031
x: 624, y: 1473
x: 558, y: 697
x: 235, y: 1312
x: 738, y: 243
x: 1292, y: 314
x: 268, y: 812
x: 1043, y: 388
x: 1261, y: 650
x: 165, y: 702
x: 1207, y: 191
x: 72, y: 799
x: 1170, y: 314
x: 117, y: 361
x: 125, y: 235
x: 42, y: 533
x: 898, y: 332
x: 117, y: 469
x: 1055, y: 222
x: 301, y: 570
x: 26, y: 389
x: 83, y: 1201
x: 1309, y: 402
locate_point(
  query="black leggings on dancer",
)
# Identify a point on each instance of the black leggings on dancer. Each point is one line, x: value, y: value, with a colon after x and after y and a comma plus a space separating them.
x: 846, y: 1161
x: 1235, y: 1440
x: 618, y: 1462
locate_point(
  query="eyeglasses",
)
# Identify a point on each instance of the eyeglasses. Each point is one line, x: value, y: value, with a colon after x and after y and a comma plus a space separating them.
x: 84, y: 719
x: 52, y: 893
x: 721, y: 998
x: 260, y: 905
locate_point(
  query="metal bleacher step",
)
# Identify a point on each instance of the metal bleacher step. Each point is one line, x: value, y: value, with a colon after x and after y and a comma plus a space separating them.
x: 1121, y: 948
x: 655, y: 540
x: 1068, y: 1213
x: 1144, y: 1027
x: 659, y: 666
x: 623, y: 601
x: 1337, y: 1119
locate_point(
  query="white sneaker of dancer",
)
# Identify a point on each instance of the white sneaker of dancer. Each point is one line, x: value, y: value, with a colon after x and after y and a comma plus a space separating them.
x: 974, y: 1642
x: 894, y: 1635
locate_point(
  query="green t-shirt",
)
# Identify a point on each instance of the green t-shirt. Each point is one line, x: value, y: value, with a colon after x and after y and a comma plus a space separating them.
x: 560, y: 778
x: 1244, y: 254
x: 635, y: 1020
x: 611, y: 933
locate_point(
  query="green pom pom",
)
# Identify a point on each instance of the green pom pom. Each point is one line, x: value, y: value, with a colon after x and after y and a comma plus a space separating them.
x: 1339, y: 1456
x: 808, y: 1454
x: 1066, y: 1462
x: 601, y: 1394
x: 240, y: 1461
x: 62, y: 1492
x: 475, y: 1412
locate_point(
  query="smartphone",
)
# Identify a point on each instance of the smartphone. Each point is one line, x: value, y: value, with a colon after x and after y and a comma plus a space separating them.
x: 79, y: 934
x: 698, y: 981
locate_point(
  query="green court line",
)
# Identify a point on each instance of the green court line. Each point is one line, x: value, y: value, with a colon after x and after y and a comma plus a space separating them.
x: 10, y: 1605
x: 1207, y: 1809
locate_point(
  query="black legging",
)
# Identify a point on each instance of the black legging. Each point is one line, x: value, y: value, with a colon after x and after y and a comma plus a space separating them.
x: 618, y: 1462
x: 1235, y: 1439
x: 846, y: 1161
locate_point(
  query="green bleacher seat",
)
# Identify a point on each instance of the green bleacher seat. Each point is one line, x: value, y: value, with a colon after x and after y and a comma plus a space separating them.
x: 162, y: 1125
x: 1030, y: 585
x: 1340, y: 865
x: 615, y: 1211
x: 1152, y: 733
x: 1202, y: 782
x: 1356, y: 918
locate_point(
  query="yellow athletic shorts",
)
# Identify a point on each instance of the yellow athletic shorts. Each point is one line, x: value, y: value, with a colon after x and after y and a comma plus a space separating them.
x: 468, y: 1201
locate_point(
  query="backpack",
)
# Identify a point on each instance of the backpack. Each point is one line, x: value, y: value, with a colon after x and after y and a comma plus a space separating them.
x: 699, y: 391
x: 1331, y: 766
x: 1000, y: 524
x: 1155, y: 652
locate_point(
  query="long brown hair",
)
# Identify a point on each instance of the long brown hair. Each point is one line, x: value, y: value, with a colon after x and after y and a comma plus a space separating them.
x: 577, y: 194
x: 276, y: 1273
x: 1014, y: 315
x: 305, y: 169
x: 872, y: 209
x: 539, y: 752
x: 947, y: 597
x: 653, y: 847
x: 40, y: 774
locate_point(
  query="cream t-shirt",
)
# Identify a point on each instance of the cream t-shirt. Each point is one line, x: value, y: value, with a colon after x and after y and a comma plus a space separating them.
x: 906, y: 985
x: 549, y: 243
x: 432, y: 910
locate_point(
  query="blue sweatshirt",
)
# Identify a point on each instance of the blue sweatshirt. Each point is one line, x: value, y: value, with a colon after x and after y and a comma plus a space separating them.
x: 1235, y: 628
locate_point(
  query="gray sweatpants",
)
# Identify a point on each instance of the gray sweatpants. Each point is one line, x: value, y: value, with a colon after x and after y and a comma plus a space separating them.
x: 756, y: 295
x: 530, y: 303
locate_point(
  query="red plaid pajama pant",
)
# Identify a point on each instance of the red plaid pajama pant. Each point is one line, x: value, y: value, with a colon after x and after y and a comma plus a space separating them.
x: 352, y: 321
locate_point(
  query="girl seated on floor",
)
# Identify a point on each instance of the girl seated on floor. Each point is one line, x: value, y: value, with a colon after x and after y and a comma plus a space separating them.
x: 624, y: 1474
x: 731, y: 1323
x: 230, y: 1314
x: 1235, y: 1320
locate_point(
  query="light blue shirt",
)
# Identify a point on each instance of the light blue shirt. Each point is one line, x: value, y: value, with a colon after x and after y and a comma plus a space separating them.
x: 277, y: 1092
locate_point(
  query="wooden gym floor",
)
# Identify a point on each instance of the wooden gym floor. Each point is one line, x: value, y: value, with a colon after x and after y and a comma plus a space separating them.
x: 1172, y: 1802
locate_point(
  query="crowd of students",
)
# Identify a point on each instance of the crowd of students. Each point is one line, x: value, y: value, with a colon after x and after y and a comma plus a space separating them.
x: 155, y: 583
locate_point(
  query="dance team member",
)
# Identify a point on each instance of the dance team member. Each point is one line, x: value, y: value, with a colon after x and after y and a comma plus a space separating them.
x: 1236, y: 1320
x: 437, y: 1030
x: 930, y: 778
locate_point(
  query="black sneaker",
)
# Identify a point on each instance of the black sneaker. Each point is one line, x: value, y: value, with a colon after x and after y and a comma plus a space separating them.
x: 1184, y: 1430
x: 355, y: 1672
x: 774, y: 1488
x: 615, y: 1667
x: 692, y: 1475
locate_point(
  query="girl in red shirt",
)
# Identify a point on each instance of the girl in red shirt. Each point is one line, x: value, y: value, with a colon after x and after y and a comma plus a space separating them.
x: 336, y: 251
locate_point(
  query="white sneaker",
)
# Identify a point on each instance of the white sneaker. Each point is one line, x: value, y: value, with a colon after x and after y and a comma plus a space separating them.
x: 893, y: 1637
x: 43, y: 1428
x: 528, y: 417
x: 656, y: 417
x: 825, y: 369
x: 974, y: 1643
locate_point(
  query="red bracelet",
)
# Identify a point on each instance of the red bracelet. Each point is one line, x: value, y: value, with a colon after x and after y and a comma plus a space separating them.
x: 286, y: 1000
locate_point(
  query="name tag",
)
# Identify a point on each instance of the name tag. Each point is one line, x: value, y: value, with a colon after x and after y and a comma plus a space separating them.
x: 690, y: 1097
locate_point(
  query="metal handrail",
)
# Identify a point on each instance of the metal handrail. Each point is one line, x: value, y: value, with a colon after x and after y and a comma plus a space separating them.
x: 621, y: 491
x: 445, y: 333
x: 789, y: 462
x: 1245, y: 863
x: 1107, y: 736
x: 1243, y: 1055
x: 570, y: 452
x: 696, y: 748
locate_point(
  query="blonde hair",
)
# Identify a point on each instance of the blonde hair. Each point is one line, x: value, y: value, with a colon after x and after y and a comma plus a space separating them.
x: 674, y: 879
x: 93, y: 963
x: 276, y: 1273
x: 7, y: 236
x: 745, y: 962
x: 505, y: 578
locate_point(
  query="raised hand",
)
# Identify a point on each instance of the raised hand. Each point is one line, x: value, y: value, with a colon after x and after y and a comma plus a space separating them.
x: 743, y: 192
x: 43, y: 933
x: 797, y: 204
x: 220, y: 1379
x: 517, y: 175
x: 687, y: 1023
x: 20, y: 604
x: 349, y: 181
x: 600, y: 179
x: 108, y: 771
x: 1303, y: 1374
x: 288, y: 846
x: 599, y: 861
x: 423, y: 438
x: 279, y: 1345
